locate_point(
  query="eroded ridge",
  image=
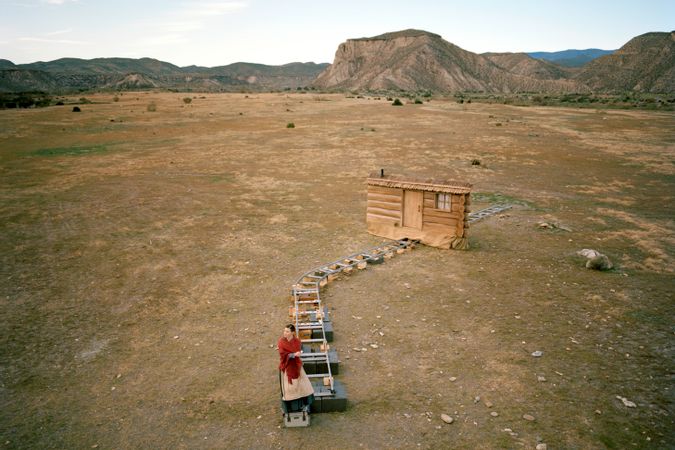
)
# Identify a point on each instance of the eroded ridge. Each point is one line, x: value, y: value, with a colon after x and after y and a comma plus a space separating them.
x: 315, y: 328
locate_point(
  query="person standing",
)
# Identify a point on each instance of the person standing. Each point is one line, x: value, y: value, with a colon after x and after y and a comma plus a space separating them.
x: 295, y: 385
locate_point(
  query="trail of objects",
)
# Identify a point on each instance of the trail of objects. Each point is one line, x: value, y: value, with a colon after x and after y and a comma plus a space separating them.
x: 315, y: 328
x: 487, y: 212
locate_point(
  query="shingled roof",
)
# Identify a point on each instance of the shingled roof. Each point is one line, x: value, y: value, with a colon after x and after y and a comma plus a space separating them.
x: 417, y: 184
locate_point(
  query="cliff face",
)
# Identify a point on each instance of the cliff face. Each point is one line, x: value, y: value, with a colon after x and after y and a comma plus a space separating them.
x: 646, y: 63
x: 414, y: 59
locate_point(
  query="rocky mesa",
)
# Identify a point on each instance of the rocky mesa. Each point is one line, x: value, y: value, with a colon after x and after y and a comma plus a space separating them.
x: 416, y: 59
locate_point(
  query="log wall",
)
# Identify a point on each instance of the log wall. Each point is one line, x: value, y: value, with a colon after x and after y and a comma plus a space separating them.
x: 384, y: 204
x: 442, y: 228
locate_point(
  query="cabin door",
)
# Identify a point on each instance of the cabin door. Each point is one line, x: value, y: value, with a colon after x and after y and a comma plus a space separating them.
x: 412, y: 209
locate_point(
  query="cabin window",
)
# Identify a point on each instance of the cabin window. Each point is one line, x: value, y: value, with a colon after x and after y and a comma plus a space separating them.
x: 443, y: 201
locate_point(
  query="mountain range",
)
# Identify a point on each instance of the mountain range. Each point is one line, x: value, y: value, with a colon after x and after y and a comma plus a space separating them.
x: 73, y: 74
x: 402, y: 60
x: 571, y: 58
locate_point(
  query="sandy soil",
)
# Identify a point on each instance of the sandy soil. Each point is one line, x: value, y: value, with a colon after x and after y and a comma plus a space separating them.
x: 146, y: 259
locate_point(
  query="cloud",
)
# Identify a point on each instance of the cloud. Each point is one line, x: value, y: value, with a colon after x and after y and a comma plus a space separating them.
x: 59, y: 2
x: 164, y: 40
x: 55, y: 33
x: 208, y: 9
x: 51, y: 41
x: 193, y: 16
x: 172, y: 26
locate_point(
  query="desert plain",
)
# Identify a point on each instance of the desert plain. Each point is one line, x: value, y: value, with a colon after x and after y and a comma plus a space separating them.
x: 148, y: 246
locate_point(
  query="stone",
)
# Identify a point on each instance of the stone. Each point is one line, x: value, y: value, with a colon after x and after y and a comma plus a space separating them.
x: 600, y: 262
x: 588, y: 253
x: 453, y: 378
x: 494, y: 413
x: 626, y: 402
x: 528, y: 417
x: 537, y: 353
x: 488, y: 404
x: 541, y: 379
x: 446, y: 418
x: 541, y: 446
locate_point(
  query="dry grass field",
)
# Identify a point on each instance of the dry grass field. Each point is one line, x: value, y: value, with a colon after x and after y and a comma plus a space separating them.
x: 146, y: 259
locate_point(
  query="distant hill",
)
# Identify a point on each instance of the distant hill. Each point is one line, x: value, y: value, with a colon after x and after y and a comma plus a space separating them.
x: 416, y: 59
x: 524, y: 65
x: 646, y: 63
x: 571, y: 58
x: 73, y: 74
x: 106, y: 66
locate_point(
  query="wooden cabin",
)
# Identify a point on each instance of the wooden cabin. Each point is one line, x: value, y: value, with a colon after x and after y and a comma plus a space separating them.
x: 435, y: 212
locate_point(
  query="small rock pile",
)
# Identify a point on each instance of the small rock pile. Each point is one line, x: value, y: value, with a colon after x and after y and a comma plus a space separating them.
x: 596, y: 260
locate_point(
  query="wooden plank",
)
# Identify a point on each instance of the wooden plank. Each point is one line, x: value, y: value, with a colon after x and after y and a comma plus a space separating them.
x: 385, y: 205
x: 441, y: 221
x: 460, y: 230
x: 380, y: 218
x: 384, y: 212
x: 385, y: 190
x: 436, y: 228
x: 440, y: 213
x: 384, y: 197
x: 458, y: 199
x: 412, y: 209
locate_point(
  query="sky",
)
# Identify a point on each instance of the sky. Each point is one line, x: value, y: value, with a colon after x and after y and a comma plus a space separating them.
x: 215, y: 32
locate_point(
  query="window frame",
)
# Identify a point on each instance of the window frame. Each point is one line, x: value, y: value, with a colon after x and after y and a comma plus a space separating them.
x: 447, y: 200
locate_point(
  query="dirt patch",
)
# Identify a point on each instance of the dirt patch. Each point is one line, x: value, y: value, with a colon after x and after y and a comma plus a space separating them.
x: 145, y: 265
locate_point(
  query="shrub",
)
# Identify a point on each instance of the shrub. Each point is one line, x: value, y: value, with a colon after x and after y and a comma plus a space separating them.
x: 475, y: 162
x: 187, y: 100
x: 290, y: 125
x: 76, y: 109
x: 418, y: 101
x: 397, y: 102
x: 152, y: 107
x: 116, y: 99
